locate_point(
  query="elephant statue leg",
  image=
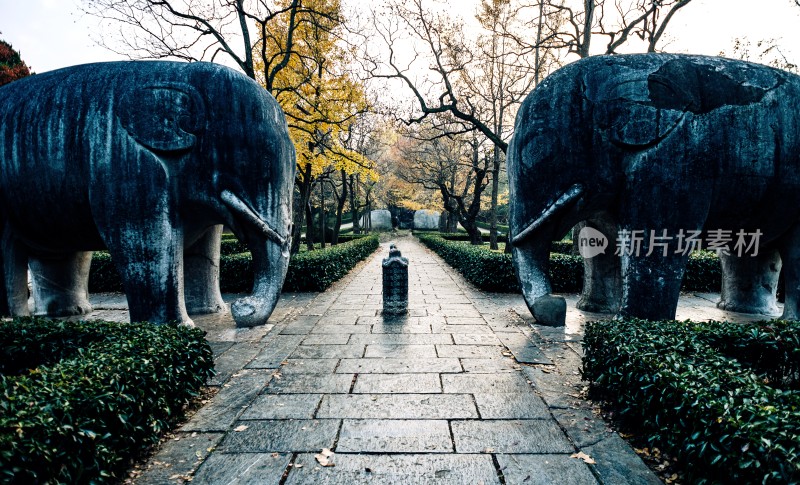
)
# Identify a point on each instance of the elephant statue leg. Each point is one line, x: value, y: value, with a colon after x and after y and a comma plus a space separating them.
x: 61, y: 284
x: 14, y: 259
x: 201, y: 273
x: 602, y: 280
x: 790, y: 256
x: 749, y: 283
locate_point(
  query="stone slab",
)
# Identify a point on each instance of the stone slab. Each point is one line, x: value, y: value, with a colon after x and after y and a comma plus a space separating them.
x: 401, y: 351
x: 516, y: 405
x: 327, y: 339
x: 490, y: 366
x: 229, y: 402
x: 308, y: 366
x: 398, y: 328
x: 469, y: 351
x: 394, y: 436
x: 282, y: 436
x: 276, y: 350
x: 397, y: 383
x: 522, y: 348
x: 402, y: 469
x: 402, y: 339
x: 471, y: 329
x: 475, y: 339
x: 340, y: 329
x: 178, y: 456
x: 233, y: 360
x: 398, y: 366
x: 617, y: 463
x: 397, y: 406
x: 282, y: 406
x: 483, y: 383
x: 243, y: 469
x: 328, y: 351
x: 545, y: 470
x: 310, y: 383
x: 512, y: 436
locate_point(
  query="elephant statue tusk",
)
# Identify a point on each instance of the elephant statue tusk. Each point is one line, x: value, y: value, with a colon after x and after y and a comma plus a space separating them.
x: 566, y: 198
x: 235, y: 203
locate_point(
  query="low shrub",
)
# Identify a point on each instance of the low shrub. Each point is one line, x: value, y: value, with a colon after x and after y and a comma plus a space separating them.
x: 561, y: 247
x: 308, y: 271
x: 710, y: 393
x: 78, y: 400
x: 491, y: 271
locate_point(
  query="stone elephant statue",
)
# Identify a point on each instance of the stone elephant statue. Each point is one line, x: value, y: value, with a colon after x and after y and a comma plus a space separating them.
x: 147, y: 159
x: 661, y: 144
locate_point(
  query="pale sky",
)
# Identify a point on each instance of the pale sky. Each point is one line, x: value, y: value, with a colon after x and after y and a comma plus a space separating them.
x: 51, y: 34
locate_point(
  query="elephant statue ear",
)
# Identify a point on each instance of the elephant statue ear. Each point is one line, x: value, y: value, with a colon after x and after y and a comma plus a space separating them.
x: 165, y: 117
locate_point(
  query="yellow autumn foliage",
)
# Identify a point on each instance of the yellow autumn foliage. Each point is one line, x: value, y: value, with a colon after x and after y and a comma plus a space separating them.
x: 320, y: 97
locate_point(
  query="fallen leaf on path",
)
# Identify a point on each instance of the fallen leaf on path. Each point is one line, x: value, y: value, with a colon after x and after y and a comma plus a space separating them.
x: 583, y: 456
x: 324, y: 457
x: 240, y: 428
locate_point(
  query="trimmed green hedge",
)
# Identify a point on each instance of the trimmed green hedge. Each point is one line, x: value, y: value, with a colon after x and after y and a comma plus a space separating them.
x: 492, y: 271
x: 722, y: 397
x: 308, y: 271
x: 78, y: 400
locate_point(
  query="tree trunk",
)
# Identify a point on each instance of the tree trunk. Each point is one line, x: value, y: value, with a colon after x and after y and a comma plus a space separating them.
x: 340, y: 209
x: 322, y: 214
x: 493, y: 210
x: 304, y: 182
x: 354, y: 203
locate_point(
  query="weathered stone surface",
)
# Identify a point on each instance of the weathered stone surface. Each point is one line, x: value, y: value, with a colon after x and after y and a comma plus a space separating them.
x: 478, y: 339
x: 490, y: 366
x: 466, y: 329
x: 328, y: 351
x: 394, y: 436
x: 397, y: 406
x: 545, y: 470
x: 397, y: 383
x: 511, y: 405
x: 523, y: 349
x: 379, y: 220
x: 311, y: 383
x: 327, y: 339
x: 229, y: 402
x: 357, y: 469
x: 426, y: 220
x: 469, y: 351
x: 309, y: 366
x: 112, y: 155
x: 479, y: 383
x: 400, y: 328
x: 657, y: 124
x: 514, y: 436
x: 398, y: 366
x: 617, y: 463
x: 401, y: 339
x: 178, y: 456
x: 243, y: 469
x: 277, y: 349
x: 340, y: 329
x: 282, y: 436
x: 401, y: 351
x: 233, y: 359
x: 282, y: 406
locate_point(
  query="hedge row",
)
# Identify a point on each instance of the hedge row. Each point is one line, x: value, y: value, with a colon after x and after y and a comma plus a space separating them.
x: 722, y: 397
x: 78, y: 400
x: 492, y: 271
x: 308, y: 271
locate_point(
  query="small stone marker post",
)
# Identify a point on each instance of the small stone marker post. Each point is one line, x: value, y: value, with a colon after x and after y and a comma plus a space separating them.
x: 395, y: 283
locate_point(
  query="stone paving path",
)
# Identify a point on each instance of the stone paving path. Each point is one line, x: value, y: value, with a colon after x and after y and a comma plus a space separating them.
x: 462, y: 390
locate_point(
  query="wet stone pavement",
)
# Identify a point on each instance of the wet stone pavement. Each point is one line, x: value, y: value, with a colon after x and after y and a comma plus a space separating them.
x: 465, y: 389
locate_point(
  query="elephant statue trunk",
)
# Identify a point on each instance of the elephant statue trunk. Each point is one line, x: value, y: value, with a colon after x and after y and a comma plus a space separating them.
x: 270, y: 253
x: 531, y: 257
